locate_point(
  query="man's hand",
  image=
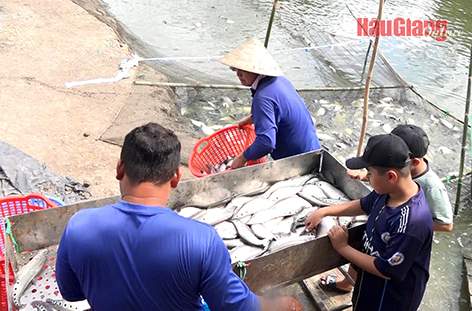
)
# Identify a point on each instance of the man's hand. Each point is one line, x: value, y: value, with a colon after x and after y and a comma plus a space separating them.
x: 290, y: 304
x: 313, y: 220
x: 239, y: 161
x: 339, y: 237
x: 281, y: 303
x: 245, y: 121
x: 357, y: 174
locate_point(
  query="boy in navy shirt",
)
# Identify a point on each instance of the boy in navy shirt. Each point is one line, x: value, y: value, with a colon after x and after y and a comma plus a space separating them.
x: 393, y: 267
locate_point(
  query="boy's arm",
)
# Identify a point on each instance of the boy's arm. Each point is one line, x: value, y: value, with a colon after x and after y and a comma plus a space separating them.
x: 358, y: 174
x: 442, y: 227
x: 352, y: 208
x: 339, y: 238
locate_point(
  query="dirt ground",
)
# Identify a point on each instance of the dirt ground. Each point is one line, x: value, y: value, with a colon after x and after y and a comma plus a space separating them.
x: 43, y: 45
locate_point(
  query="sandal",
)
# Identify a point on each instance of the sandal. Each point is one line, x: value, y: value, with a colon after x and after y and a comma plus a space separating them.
x: 328, y: 283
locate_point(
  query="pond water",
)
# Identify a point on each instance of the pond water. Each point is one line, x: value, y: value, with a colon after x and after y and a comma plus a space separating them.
x: 185, y: 28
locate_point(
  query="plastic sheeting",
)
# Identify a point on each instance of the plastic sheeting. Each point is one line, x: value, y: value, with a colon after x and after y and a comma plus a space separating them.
x: 21, y: 174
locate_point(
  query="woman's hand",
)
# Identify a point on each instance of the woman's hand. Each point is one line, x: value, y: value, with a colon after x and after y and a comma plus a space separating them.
x: 239, y: 161
x: 245, y: 121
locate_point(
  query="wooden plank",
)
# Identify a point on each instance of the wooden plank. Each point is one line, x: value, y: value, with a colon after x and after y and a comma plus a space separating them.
x: 312, y: 292
x: 327, y: 300
x: 297, y: 263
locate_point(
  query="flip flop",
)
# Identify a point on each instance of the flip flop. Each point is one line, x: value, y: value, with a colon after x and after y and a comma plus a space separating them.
x: 328, y: 283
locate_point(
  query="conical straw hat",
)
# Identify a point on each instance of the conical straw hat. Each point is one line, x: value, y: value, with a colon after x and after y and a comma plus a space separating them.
x: 252, y: 56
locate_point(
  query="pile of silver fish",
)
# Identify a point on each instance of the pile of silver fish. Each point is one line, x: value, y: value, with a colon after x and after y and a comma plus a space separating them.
x: 273, y: 218
x: 219, y: 167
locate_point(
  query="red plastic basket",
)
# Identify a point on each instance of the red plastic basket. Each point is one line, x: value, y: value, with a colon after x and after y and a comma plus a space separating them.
x: 10, y: 206
x: 227, y: 142
x: 3, y: 287
x: 16, y: 205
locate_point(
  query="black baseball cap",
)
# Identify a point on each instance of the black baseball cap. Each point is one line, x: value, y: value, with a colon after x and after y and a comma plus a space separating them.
x: 386, y: 150
x: 415, y: 138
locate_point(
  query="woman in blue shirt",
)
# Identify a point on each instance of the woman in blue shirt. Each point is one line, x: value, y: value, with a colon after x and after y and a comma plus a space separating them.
x: 283, y: 124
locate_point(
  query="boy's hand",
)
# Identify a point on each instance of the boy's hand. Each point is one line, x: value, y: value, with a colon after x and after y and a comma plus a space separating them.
x: 313, y: 220
x: 357, y: 174
x: 339, y: 237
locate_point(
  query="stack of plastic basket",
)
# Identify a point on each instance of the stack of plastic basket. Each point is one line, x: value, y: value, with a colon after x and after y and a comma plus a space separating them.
x: 216, y: 148
x: 10, y: 206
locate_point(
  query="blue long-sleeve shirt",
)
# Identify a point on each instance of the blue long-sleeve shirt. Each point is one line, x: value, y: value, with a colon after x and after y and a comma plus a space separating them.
x: 283, y: 124
x: 127, y: 256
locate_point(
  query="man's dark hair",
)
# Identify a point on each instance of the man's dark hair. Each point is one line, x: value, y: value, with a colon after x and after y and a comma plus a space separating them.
x: 150, y: 153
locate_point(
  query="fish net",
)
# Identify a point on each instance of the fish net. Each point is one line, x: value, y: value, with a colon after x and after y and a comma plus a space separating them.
x: 331, y: 81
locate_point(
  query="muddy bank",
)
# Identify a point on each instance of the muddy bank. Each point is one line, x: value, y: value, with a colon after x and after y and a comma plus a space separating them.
x: 43, y: 46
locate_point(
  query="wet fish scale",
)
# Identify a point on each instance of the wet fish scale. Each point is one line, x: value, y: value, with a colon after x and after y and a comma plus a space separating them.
x: 331, y: 191
x: 226, y: 230
x: 325, y: 225
x: 285, y: 207
x: 284, y: 192
x: 245, y: 233
x: 253, y: 206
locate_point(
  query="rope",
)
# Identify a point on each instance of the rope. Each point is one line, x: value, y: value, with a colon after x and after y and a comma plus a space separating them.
x: 8, y: 231
x: 242, y: 269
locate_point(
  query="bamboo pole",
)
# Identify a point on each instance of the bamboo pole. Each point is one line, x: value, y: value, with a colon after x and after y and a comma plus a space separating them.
x: 269, y: 27
x: 464, y: 137
x: 369, y: 78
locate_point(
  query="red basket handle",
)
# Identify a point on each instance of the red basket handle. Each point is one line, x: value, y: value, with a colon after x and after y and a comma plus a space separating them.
x: 201, y: 142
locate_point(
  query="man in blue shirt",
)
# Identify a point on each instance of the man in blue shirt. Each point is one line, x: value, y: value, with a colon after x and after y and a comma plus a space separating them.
x: 284, y: 126
x: 139, y: 255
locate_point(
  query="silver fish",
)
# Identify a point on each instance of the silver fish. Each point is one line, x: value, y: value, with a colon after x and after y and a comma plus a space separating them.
x: 271, y: 224
x: 226, y: 230
x: 245, y: 233
x: 42, y: 306
x: 325, y: 225
x: 321, y: 202
x: 245, y: 219
x: 284, y: 227
x: 285, y: 207
x: 312, y: 180
x: 264, y: 187
x: 314, y: 191
x: 345, y: 221
x: 61, y: 305
x: 331, y: 191
x: 233, y: 243
x: 245, y: 253
x: 253, y: 206
x: 26, y: 275
x: 237, y: 202
x: 286, y: 242
x: 284, y: 192
x: 299, y: 220
x: 190, y: 211
x: 261, y: 231
x: 214, y: 216
x: 293, y: 182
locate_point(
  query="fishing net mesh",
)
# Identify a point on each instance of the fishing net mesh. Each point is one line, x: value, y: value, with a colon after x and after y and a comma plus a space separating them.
x: 199, y: 103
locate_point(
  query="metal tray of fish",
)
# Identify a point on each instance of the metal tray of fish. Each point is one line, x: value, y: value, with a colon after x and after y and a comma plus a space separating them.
x: 279, y: 261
